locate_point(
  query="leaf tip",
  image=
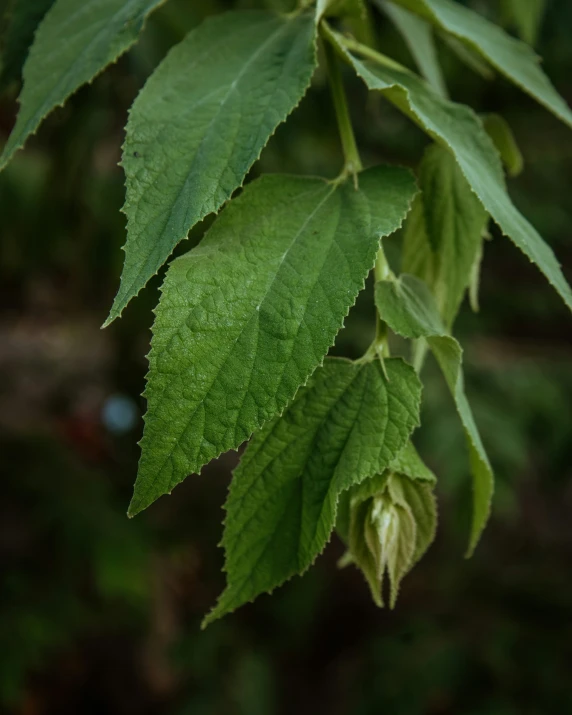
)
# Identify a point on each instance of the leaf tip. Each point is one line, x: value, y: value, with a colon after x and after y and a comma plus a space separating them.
x: 4, y: 159
x: 475, y: 537
x: 136, y: 506
x: 209, y: 619
x: 117, y: 309
x: 215, y: 614
x: 473, y: 543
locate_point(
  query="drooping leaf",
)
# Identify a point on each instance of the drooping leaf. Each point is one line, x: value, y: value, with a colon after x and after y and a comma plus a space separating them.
x: 526, y: 15
x: 459, y: 128
x: 348, y: 424
x: 449, y: 355
x: 500, y: 132
x: 417, y: 256
x: 246, y: 317
x: 200, y: 123
x: 450, y: 220
x: 74, y: 42
x: 510, y: 56
x: 24, y: 17
x: 467, y: 56
x: 407, y: 306
x: 418, y: 35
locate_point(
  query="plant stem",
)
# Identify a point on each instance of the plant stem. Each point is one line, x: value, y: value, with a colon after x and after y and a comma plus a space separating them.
x: 353, y: 163
x: 381, y: 269
x: 371, y: 54
x: 381, y: 272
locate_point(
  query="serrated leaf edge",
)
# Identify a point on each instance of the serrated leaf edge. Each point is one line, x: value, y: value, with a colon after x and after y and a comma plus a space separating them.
x: 208, y: 619
x: 260, y: 424
x: 5, y: 159
x: 115, y: 313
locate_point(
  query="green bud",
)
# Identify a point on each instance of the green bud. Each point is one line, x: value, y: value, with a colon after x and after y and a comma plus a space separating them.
x: 392, y: 520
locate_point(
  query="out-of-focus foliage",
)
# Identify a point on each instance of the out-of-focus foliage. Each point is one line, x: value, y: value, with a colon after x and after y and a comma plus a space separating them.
x: 100, y: 614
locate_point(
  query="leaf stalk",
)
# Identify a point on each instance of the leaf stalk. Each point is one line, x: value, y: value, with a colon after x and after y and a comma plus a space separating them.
x: 352, y: 158
x: 381, y: 272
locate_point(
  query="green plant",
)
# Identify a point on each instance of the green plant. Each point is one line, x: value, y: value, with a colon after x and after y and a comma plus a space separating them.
x: 246, y: 319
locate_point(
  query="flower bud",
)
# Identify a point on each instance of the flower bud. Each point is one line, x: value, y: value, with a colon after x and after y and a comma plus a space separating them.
x: 391, y: 522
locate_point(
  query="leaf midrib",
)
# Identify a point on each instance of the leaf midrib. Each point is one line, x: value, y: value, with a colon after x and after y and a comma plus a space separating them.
x: 299, y: 479
x: 183, y: 189
x: 231, y: 347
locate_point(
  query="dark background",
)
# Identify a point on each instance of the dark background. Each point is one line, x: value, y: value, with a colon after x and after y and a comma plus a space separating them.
x: 100, y: 614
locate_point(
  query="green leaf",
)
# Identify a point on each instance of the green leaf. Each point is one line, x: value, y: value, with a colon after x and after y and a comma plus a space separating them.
x: 345, y: 426
x: 418, y: 35
x: 527, y: 16
x: 24, y: 18
x: 420, y: 498
x: 417, y: 256
x: 449, y: 355
x: 467, y: 56
x: 354, y: 14
x: 407, y: 462
x: 246, y: 317
x: 407, y: 306
x: 450, y: 220
x: 75, y: 41
x: 341, y: 8
x: 500, y: 132
x: 200, y: 123
x: 459, y: 129
x: 510, y: 56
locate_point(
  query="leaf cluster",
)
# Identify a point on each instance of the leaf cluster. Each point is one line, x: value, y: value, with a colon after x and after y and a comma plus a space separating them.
x: 246, y: 319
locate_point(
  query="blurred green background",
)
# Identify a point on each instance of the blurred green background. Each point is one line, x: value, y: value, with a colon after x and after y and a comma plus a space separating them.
x: 99, y: 614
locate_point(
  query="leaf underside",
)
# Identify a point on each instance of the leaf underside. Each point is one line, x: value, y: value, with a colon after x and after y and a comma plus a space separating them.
x: 459, y: 129
x: 527, y: 16
x: 200, y: 123
x: 407, y: 306
x: 418, y: 36
x: 443, y: 233
x: 504, y: 140
x: 346, y: 425
x: 510, y: 56
x: 247, y: 316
